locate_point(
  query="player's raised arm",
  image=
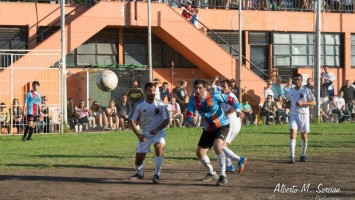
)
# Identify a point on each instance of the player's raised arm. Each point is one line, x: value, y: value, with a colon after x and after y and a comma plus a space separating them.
x: 231, y: 100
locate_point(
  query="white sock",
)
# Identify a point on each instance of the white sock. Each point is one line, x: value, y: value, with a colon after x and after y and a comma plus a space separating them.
x: 139, y: 169
x: 207, y: 163
x: 80, y: 128
x: 158, y: 164
x: 304, y: 145
x: 230, y: 154
x: 76, y: 128
x: 292, y: 146
x: 222, y: 163
x: 228, y: 162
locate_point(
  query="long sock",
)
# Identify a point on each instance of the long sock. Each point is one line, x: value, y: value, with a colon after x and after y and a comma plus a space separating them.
x: 139, y: 169
x: 230, y: 154
x: 158, y: 164
x: 228, y: 162
x: 222, y: 163
x: 292, y: 146
x: 26, y: 131
x: 304, y: 145
x: 30, y: 134
x: 207, y: 163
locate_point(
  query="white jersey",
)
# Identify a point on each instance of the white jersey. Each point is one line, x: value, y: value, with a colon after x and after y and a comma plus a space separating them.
x: 226, y: 107
x: 303, y: 94
x: 150, y: 115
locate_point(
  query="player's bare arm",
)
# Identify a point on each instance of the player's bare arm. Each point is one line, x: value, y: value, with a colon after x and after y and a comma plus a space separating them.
x: 160, y: 127
x: 135, y: 130
x: 305, y: 103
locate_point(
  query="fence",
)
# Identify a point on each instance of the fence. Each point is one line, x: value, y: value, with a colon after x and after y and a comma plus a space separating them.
x: 18, y: 69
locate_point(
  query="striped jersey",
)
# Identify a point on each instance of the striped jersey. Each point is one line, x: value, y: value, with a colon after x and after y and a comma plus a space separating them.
x: 210, y: 109
x: 33, y: 101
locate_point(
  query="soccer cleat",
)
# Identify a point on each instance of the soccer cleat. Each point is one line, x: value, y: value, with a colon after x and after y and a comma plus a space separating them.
x: 230, y: 168
x: 222, y: 180
x: 136, y: 177
x: 30, y: 139
x: 156, y: 179
x: 303, y: 159
x: 292, y: 159
x: 210, y: 177
x: 241, y: 164
x: 23, y: 139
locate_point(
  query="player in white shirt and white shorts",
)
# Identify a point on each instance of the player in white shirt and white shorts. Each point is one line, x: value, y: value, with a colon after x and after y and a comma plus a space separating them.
x: 300, y: 98
x: 234, y: 128
x: 154, y: 117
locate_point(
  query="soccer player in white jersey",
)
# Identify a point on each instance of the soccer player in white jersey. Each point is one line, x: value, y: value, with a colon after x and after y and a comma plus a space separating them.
x: 235, y: 124
x: 300, y: 98
x: 154, y: 117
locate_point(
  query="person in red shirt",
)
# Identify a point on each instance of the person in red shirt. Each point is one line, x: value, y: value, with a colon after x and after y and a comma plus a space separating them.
x: 188, y: 12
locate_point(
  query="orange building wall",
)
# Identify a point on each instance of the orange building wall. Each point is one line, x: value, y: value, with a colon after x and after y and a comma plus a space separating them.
x: 16, y: 13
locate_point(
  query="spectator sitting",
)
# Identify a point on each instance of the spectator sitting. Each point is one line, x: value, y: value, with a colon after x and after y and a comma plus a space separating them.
x: 156, y: 81
x: 164, y: 92
x: 96, y: 115
x: 4, y: 118
x: 248, y: 112
x: 268, y: 91
x: 123, y: 111
x: 175, y: 112
x: 269, y: 111
x: 46, y: 117
x: 112, y: 115
x: 326, y: 111
x: 281, y: 110
x: 17, y: 114
x: 82, y: 116
x: 339, y: 107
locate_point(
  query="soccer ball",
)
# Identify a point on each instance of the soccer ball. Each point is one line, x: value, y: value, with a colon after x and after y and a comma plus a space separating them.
x: 107, y: 81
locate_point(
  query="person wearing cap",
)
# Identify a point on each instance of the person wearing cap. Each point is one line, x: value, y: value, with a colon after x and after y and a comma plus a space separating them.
x: 32, y: 109
x: 188, y: 12
x: 156, y: 81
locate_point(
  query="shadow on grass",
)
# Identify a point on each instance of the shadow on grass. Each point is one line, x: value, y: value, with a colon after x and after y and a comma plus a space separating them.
x: 81, y: 156
x: 125, y: 181
x: 67, y: 166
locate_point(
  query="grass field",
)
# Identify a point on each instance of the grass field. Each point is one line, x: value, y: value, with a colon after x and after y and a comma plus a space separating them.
x: 117, y: 149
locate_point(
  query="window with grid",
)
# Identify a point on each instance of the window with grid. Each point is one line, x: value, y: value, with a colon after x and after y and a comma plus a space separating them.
x: 297, y: 49
x: 352, y: 50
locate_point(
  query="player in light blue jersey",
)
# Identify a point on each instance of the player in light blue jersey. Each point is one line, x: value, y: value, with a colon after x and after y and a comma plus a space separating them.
x: 215, y: 131
x: 32, y: 109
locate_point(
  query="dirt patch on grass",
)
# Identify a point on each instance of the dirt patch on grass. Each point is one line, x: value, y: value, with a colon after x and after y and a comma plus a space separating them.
x: 260, y: 180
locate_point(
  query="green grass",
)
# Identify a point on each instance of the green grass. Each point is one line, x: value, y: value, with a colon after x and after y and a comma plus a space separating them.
x: 118, y: 149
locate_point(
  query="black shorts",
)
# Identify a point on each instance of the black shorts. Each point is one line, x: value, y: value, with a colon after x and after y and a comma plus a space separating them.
x: 207, y: 138
x: 32, y: 118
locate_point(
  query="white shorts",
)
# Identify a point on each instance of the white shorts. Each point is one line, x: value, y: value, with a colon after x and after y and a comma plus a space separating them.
x: 144, y: 147
x: 234, y: 128
x: 300, y: 122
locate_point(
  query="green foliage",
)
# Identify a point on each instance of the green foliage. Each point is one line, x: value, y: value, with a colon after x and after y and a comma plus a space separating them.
x: 117, y: 149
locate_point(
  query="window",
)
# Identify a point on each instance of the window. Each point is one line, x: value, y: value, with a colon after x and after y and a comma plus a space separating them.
x: 353, y: 50
x: 12, y: 37
x: 297, y: 49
